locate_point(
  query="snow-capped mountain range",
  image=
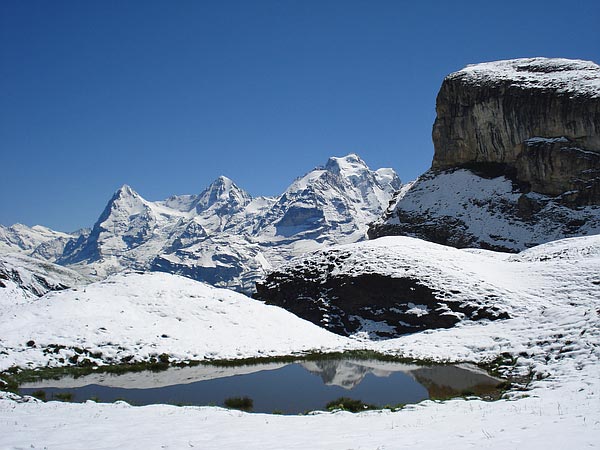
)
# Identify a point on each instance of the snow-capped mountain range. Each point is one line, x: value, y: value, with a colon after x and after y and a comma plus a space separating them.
x: 222, y: 236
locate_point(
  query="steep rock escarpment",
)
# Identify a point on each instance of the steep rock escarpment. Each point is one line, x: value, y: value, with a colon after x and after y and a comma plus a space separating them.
x: 540, y: 118
x: 528, y: 133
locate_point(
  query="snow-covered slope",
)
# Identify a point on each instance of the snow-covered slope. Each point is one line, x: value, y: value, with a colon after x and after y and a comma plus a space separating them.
x: 397, y: 285
x: 23, y: 278
x: 462, y: 209
x: 136, y: 316
x: 37, y: 241
x: 552, y: 291
x: 226, y: 237
x: 566, y: 76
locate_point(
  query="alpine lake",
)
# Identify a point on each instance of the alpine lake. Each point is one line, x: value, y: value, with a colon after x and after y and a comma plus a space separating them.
x: 278, y: 385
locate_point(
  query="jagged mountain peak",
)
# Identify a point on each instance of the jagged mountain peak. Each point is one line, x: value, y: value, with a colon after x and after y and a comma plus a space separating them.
x: 226, y: 237
x: 353, y: 169
x: 221, y: 185
x: 223, y: 180
x: 222, y: 191
x: 125, y: 198
x: 127, y: 193
x: 345, y: 172
x: 349, y: 163
x: 125, y: 189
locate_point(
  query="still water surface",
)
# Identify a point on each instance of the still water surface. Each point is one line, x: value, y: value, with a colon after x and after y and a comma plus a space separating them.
x: 287, y: 388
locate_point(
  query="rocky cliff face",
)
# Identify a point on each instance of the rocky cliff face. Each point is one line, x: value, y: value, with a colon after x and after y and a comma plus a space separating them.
x: 517, y: 158
x: 538, y: 118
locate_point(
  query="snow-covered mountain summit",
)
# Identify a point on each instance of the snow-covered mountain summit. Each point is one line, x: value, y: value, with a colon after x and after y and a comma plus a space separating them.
x: 338, y: 198
x: 223, y: 235
x: 330, y: 204
x: 221, y: 193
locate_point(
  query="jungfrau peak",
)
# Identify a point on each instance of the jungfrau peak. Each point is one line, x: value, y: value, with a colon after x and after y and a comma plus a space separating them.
x: 338, y: 199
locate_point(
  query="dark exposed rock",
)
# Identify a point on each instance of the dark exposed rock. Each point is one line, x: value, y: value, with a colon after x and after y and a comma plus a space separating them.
x: 381, y: 305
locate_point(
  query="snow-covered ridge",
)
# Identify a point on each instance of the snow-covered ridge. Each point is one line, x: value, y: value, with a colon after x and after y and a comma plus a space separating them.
x: 37, y: 241
x: 23, y: 278
x: 568, y: 76
x: 462, y: 209
x: 226, y: 237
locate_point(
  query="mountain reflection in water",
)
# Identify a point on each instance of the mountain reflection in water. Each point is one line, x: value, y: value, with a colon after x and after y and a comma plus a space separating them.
x: 290, y: 388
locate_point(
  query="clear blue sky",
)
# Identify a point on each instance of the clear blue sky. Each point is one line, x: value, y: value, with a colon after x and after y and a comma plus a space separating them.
x: 166, y: 96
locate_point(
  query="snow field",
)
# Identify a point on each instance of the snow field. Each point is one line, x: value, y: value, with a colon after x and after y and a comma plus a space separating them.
x: 552, y: 292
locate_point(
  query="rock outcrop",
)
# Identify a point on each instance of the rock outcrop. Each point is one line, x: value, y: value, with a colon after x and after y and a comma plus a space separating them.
x: 516, y: 162
x: 383, y: 288
x: 536, y: 119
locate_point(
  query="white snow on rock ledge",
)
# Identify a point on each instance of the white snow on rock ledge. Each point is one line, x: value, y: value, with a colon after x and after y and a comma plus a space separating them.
x: 573, y: 77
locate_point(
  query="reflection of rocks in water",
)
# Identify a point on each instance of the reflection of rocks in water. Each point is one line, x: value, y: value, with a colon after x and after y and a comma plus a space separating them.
x: 449, y: 381
x: 343, y: 373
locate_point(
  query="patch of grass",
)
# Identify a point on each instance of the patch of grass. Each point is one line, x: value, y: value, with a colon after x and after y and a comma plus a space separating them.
x: 8, y: 383
x: 14, y: 376
x: 349, y: 404
x: 63, y: 396
x: 241, y: 403
x: 40, y: 395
